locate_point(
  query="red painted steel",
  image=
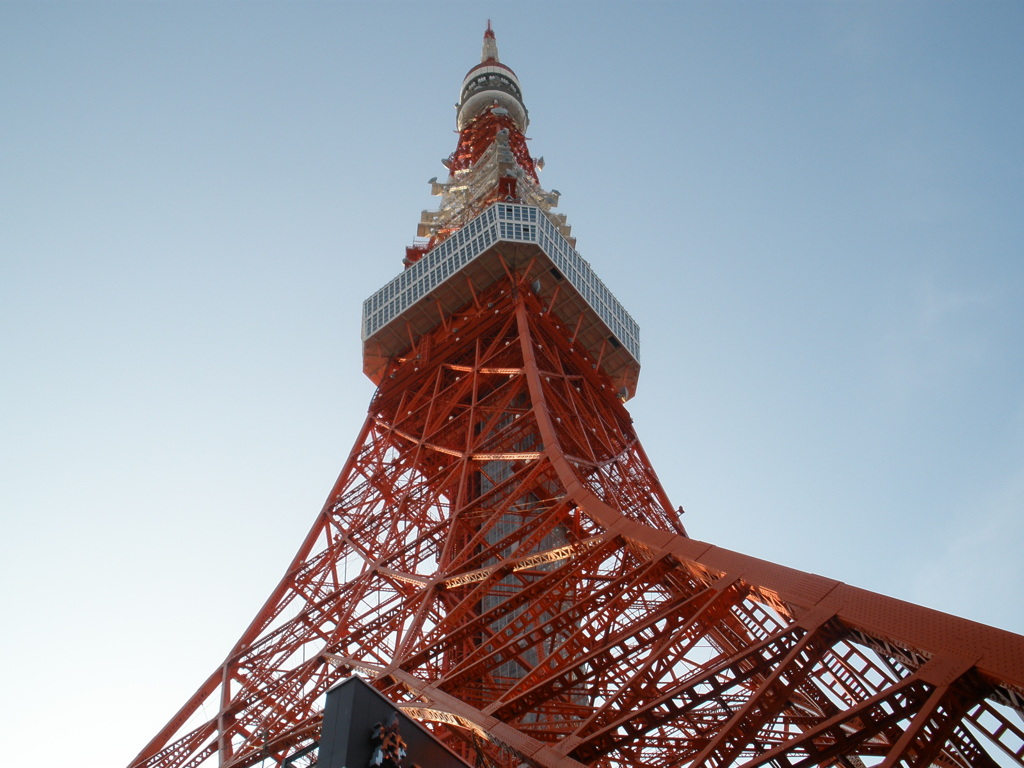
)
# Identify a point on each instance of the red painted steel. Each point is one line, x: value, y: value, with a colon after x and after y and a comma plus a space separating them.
x: 498, y: 557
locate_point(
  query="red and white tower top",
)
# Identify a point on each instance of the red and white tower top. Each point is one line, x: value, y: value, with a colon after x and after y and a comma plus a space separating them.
x: 491, y: 162
x: 495, y: 220
x: 488, y: 83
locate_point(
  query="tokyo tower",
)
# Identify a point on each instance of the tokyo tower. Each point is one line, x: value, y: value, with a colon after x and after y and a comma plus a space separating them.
x: 499, y: 559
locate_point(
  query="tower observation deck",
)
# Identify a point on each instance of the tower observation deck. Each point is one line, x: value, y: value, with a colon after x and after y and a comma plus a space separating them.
x: 479, y: 254
x: 500, y: 561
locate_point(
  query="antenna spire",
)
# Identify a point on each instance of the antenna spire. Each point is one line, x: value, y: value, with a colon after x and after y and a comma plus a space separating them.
x: 490, y: 51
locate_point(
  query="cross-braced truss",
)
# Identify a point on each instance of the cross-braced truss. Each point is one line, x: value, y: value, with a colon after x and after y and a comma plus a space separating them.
x: 499, y: 558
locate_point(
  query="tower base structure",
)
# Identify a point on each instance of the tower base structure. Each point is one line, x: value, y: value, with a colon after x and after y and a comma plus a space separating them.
x: 499, y: 558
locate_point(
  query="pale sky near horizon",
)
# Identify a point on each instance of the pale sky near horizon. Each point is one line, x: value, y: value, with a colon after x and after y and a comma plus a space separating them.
x: 815, y: 211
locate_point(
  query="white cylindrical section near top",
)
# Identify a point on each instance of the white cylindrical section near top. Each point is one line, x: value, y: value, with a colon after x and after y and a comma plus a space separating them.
x: 486, y: 84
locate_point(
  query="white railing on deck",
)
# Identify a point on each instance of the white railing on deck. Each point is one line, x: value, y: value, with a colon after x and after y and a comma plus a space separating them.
x: 509, y: 222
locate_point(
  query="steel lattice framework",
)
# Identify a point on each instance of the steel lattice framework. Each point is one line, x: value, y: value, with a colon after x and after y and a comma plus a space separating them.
x: 499, y: 558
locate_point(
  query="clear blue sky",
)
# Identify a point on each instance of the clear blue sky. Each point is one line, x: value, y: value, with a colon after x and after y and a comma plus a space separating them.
x: 815, y: 211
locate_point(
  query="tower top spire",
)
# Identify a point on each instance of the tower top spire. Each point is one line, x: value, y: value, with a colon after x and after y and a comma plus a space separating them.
x: 492, y: 161
x: 490, y: 51
x: 491, y: 83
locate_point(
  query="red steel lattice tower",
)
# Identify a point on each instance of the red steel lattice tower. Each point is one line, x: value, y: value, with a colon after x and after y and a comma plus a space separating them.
x: 499, y: 558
